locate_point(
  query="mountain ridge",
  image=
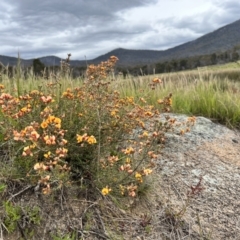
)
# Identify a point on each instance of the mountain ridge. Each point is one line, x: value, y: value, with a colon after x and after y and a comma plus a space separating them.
x: 219, y: 40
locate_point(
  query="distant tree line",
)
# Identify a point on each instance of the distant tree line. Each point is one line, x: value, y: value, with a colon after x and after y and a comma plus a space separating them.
x: 198, y: 61
x: 38, y: 69
x: 174, y: 65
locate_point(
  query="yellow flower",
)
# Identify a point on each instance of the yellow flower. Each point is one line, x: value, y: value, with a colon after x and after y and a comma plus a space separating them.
x: 122, y: 189
x: 91, y: 140
x: 147, y: 171
x: 24, y: 109
x: 149, y: 114
x: 33, y: 145
x: 128, y: 161
x: 50, y: 119
x: 79, y: 138
x: 57, y: 120
x: 44, y: 124
x: 113, y: 113
x: 47, y: 110
x: 129, y: 150
x: 106, y: 191
x: 46, y: 190
x: 130, y: 100
x: 138, y: 176
x: 47, y: 155
x: 145, y: 134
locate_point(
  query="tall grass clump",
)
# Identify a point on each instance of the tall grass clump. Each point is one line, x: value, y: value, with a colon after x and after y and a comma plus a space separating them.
x: 87, y: 134
x: 217, y: 99
x: 209, y: 94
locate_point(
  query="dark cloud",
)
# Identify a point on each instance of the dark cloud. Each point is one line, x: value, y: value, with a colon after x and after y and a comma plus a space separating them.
x: 59, y: 22
x: 221, y: 13
x: 92, y: 27
x: 230, y: 11
x: 196, y: 25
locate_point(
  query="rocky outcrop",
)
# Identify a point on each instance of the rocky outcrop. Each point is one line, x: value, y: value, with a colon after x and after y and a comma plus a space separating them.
x: 210, y: 152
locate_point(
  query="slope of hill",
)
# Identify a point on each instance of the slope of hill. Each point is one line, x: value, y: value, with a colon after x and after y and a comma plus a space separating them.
x: 220, y: 40
x: 12, y: 61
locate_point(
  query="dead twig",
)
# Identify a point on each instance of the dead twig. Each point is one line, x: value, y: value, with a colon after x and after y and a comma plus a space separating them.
x: 1, y: 232
x: 84, y: 212
x: 100, y: 219
x: 19, y: 193
x: 97, y: 233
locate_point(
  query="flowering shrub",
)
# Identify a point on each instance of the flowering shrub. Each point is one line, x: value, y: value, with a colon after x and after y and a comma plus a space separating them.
x: 87, y: 133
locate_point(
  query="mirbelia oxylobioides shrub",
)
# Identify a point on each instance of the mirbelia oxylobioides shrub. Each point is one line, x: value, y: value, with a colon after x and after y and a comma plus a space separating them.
x: 89, y: 134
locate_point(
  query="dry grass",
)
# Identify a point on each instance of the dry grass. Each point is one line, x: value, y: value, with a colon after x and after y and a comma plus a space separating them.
x: 207, y: 93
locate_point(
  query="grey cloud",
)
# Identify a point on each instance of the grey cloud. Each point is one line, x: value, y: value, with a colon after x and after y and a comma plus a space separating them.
x: 169, y: 39
x: 81, y: 9
x: 231, y: 5
x: 230, y: 11
x: 60, y: 21
x: 197, y: 25
x: 94, y: 27
x: 224, y: 12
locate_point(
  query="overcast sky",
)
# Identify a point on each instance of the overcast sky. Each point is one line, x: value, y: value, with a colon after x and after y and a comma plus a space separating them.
x: 89, y: 28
